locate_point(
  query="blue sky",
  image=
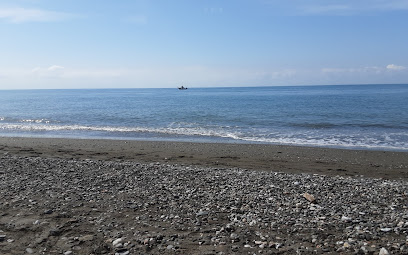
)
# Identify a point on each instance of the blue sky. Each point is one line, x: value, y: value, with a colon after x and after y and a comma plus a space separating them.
x: 162, y: 43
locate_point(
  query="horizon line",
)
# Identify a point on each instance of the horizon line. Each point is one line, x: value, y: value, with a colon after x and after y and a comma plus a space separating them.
x: 203, y: 87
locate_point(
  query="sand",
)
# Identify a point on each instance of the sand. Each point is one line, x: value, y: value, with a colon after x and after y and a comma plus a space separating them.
x: 288, y: 159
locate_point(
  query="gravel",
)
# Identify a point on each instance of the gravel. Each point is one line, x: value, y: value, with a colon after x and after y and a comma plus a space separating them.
x: 61, y: 206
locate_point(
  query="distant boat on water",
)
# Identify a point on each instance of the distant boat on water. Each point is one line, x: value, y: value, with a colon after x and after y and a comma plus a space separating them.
x: 182, y: 88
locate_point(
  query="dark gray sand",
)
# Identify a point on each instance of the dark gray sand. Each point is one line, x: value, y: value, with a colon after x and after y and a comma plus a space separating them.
x: 288, y: 159
x: 65, y: 196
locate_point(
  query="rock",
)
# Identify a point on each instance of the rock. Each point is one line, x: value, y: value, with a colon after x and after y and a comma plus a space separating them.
x: 86, y: 238
x: 202, y: 213
x: 383, y: 251
x: 234, y: 237
x: 309, y: 197
x: 48, y: 211
x: 386, y: 229
x: 2, y: 238
x: 55, y: 232
x: 345, y: 218
x: 170, y: 247
x: 29, y: 251
x: 68, y: 253
x: 117, y: 242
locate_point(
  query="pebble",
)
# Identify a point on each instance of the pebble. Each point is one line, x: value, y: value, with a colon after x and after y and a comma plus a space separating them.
x: 87, y: 238
x: 48, y: 211
x: 345, y: 218
x: 234, y: 237
x: 202, y: 213
x: 309, y: 197
x: 153, y: 205
x: 383, y: 251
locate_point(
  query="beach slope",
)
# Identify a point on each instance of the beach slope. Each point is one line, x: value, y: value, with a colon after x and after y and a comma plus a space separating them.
x: 65, y: 196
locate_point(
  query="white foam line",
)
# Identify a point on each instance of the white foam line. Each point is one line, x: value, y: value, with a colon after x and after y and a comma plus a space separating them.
x: 345, y: 142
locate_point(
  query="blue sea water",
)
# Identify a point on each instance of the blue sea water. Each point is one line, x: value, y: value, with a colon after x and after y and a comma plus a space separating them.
x: 359, y: 116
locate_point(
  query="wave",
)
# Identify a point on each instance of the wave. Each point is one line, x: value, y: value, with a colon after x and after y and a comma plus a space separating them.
x: 13, y: 120
x: 110, y: 129
x: 388, y: 141
x: 326, y: 125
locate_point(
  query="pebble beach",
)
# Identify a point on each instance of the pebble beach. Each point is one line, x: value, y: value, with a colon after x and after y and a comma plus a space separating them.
x: 66, y: 196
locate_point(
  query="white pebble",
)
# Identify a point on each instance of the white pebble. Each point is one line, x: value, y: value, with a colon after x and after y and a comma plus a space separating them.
x: 383, y: 251
x: 117, y: 242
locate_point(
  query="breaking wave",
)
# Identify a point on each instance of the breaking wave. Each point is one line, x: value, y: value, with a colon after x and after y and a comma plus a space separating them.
x: 214, y: 133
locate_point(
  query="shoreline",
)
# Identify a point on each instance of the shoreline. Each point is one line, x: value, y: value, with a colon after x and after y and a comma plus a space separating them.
x: 263, y: 157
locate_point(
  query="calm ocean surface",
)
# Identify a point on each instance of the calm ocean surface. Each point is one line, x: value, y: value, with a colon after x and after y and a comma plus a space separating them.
x: 361, y: 116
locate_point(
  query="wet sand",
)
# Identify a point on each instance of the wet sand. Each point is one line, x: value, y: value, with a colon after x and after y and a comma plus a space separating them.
x: 288, y: 159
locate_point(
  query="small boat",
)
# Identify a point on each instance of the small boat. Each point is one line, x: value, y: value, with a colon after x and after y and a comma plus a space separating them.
x: 182, y: 88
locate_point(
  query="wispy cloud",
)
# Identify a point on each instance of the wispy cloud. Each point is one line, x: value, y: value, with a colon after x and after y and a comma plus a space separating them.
x: 56, y: 76
x: 52, y: 71
x: 21, y: 15
x: 373, y: 74
x: 395, y: 67
x: 214, y: 10
x: 368, y: 69
x: 337, y: 7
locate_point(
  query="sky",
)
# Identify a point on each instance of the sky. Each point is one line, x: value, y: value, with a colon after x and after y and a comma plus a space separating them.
x: 201, y: 43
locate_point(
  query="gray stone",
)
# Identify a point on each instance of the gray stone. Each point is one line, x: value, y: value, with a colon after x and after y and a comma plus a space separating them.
x: 383, y: 251
x: 117, y: 242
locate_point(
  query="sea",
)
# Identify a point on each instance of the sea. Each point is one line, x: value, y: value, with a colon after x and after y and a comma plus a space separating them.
x: 368, y: 117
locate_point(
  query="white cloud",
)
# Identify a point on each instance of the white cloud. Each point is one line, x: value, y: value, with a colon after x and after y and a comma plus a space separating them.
x: 366, y: 75
x: 369, y: 69
x: 55, y: 68
x: 395, y: 67
x: 52, y: 71
x: 21, y: 15
x: 56, y: 76
x: 199, y: 76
